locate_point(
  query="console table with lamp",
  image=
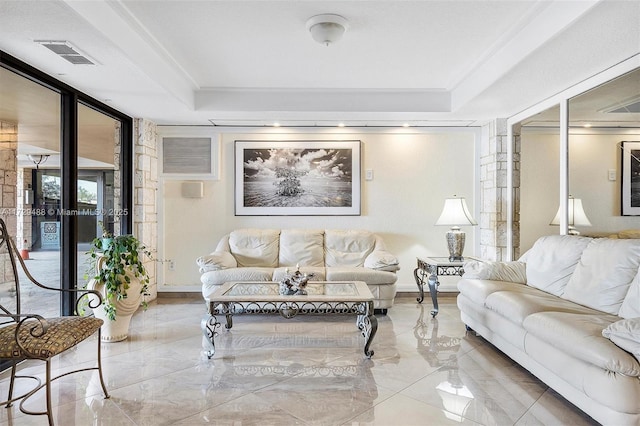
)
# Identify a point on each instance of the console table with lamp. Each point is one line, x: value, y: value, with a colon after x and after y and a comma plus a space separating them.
x: 454, y: 214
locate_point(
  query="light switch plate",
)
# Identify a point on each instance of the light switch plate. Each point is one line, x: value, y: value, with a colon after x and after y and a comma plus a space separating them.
x: 368, y: 175
x: 613, y: 174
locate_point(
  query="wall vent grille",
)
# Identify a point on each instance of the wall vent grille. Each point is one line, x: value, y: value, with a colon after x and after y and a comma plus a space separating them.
x: 67, y: 51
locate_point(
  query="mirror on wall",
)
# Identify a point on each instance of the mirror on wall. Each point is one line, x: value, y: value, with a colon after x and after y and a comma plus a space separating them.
x: 600, y: 120
x: 539, y: 175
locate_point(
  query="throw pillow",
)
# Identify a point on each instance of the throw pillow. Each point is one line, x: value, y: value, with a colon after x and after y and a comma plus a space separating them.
x: 382, y: 260
x: 216, y: 261
x: 602, y: 278
x: 626, y: 335
x: 514, y: 272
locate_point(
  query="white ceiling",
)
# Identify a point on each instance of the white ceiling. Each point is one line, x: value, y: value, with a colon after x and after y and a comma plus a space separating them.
x: 252, y: 62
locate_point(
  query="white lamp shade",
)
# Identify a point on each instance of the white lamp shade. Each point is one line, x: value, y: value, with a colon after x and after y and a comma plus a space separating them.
x: 576, y: 214
x: 455, y: 213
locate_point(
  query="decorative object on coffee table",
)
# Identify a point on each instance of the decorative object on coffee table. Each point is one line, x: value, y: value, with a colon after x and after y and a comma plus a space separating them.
x: 294, y: 284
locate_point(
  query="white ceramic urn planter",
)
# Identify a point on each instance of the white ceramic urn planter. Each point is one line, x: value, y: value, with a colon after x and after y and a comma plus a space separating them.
x: 117, y: 330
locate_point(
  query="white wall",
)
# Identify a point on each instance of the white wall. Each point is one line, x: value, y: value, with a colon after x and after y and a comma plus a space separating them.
x: 592, y: 154
x: 539, y: 184
x: 413, y: 174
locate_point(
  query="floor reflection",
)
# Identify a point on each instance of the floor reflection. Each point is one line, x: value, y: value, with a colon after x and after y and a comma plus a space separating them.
x: 442, y: 352
x: 307, y: 370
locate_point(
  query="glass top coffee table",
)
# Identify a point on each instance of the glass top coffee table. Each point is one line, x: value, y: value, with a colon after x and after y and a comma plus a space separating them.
x: 322, y: 298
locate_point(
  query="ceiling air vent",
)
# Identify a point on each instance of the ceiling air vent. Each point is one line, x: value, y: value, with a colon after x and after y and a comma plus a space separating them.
x: 628, y: 106
x: 67, y: 51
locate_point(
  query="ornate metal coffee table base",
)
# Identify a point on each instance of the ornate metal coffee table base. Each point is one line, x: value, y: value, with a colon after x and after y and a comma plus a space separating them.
x: 366, y: 322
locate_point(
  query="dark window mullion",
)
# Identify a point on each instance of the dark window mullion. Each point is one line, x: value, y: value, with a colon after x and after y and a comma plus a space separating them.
x: 69, y: 199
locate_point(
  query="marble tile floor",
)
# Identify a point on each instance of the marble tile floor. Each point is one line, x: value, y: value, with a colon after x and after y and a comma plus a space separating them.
x: 304, y: 371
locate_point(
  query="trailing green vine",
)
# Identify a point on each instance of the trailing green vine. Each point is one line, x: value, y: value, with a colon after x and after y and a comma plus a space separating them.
x: 122, y: 254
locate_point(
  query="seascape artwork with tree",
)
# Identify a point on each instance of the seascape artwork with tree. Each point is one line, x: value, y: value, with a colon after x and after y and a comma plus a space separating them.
x: 630, y: 178
x: 298, y: 177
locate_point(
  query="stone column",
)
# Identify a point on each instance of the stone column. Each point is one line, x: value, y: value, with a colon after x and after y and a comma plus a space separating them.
x: 494, y: 191
x: 145, y: 219
x: 8, y: 175
x: 24, y: 227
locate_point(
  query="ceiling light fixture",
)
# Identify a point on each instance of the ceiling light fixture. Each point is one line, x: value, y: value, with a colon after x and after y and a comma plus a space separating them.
x: 327, y: 28
x: 38, y: 159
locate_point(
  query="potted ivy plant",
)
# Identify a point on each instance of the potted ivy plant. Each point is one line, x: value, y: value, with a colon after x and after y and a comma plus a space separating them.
x: 119, y: 274
x: 107, y: 237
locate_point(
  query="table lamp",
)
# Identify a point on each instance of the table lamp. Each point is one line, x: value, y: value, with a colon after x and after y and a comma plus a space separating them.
x: 455, y: 214
x: 576, y: 216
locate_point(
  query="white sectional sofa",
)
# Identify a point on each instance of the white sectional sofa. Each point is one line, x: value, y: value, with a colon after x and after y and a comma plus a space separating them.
x: 331, y: 255
x: 569, y: 312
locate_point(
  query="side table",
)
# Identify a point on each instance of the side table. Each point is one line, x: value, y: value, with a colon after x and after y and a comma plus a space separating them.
x: 429, y: 269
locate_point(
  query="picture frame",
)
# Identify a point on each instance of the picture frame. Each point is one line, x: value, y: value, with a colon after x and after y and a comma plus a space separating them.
x: 297, y: 178
x: 188, y: 152
x: 630, y: 178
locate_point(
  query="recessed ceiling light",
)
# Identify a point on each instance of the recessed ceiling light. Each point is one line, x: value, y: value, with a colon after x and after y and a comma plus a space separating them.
x: 276, y: 124
x: 587, y: 124
x: 340, y: 124
x: 405, y: 124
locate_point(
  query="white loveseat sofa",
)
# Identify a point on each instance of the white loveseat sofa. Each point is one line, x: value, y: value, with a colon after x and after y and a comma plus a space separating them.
x: 569, y: 312
x: 331, y: 255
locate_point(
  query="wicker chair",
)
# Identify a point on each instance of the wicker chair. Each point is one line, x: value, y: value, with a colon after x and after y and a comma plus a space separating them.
x: 25, y: 336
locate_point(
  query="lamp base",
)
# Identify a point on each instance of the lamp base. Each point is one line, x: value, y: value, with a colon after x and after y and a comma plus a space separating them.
x: 455, y: 243
x: 572, y: 231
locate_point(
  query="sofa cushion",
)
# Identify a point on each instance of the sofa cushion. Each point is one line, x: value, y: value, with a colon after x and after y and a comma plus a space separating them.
x: 625, y: 334
x: 518, y: 305
x: 552, y: 260
x: 580, y: 336
x: 255, y: 247
x: 347, y: 247
x: 502, y: 271
x: 301, y: 247
x: 478, y: 289
x: 212, y: 279
x: 350, y: 273
x: 603, y: 275
x: 630, y: 307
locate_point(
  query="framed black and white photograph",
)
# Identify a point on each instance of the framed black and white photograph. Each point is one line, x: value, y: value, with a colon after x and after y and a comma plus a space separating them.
x: 297, y: 178
x: 631, y: 178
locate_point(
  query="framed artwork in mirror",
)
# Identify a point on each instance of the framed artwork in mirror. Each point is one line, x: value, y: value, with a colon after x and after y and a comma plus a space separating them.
x: 279, y: 178
x: 630, y: 178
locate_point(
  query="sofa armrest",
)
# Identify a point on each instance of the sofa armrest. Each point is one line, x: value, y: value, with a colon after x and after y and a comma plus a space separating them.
x: 216, y: 261
x: 626, y: 335
x: 381, y: 260
x: 499, y: 271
